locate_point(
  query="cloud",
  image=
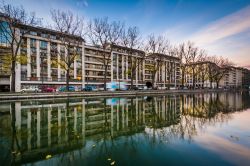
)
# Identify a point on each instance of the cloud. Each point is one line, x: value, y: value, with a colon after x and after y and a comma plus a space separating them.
x: 230, y: 25
x: 82, y: 3
x: 225, y: 148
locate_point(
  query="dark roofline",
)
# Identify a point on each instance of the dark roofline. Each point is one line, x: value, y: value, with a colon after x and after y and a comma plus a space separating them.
x: 162, y: 55
x: 126, y: 48
x: 51, y: 31
x: 43, y: 29
x: 200, y: 62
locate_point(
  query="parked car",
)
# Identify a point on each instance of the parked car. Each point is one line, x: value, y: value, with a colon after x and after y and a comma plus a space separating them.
x: 48, y: 89
x: 90, y: 88
x: 135, y: 88
x: 140, y: 88
x: 147, y: 88
x: 172, y: 88
x: 30, y: 89
x: 101, y: 89
x: 63, y: 89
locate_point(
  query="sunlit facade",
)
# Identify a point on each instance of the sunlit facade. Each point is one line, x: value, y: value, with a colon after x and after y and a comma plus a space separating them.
x: 41, y: 47
x: 232, y: 78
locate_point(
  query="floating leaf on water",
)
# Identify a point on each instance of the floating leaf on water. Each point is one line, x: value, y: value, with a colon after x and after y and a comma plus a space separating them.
x: 109, y: 159
x: 93, y: 145
x: 234, y: 138
x: 48, y: 156
x: 113, y: 163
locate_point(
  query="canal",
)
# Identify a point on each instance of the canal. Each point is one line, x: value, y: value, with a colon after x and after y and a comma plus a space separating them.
x: 177, y: 129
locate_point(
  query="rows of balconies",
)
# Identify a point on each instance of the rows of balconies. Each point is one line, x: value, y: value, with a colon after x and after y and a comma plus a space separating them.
x: 47, y: 79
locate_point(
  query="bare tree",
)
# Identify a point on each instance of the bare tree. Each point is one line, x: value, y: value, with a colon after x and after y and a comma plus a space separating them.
x: 211, y: 68
x: 184, y: 53
x: 156, y: 49
x: 218, y: 67
x: 70, y: 27
x: 131, y: 40
x: 196, y: 56
x: 173, y: 53
x: 224, y: 65
x: 202, y: 67
x: 105, y: 34
x: 13, y: 23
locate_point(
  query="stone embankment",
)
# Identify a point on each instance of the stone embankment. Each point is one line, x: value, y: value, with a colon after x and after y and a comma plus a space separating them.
x: 21, y: 96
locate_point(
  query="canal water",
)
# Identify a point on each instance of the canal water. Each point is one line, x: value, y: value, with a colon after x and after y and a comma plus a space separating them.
x: 179, y: 129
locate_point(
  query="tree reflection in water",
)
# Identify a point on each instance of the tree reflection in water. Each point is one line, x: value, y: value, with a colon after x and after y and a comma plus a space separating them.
x: 69, y: 127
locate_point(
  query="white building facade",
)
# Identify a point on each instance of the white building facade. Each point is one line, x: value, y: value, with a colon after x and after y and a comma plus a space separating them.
x: 44, y: 51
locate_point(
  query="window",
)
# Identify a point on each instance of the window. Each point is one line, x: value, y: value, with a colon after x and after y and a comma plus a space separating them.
x: 53, y: 37
x: 33, y: 33
x: 33, y: 42
x: 4, y: 33
x: 44, y: 35
x: 43, y: 44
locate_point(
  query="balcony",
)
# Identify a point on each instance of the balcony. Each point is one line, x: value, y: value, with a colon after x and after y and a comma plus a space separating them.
x: 94, y: 80
x: 43, y: 79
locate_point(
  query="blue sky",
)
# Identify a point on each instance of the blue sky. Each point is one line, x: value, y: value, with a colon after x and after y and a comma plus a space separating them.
x: 222, y: 27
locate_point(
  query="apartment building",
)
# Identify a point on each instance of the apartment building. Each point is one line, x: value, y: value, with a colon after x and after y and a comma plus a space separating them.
x: 44, y: 51
x: 119, y: 66
x: 168, y: 74
x: 42, y: 47
x: 232, y: 78
x: 246, y: 78
x: 201, y: 71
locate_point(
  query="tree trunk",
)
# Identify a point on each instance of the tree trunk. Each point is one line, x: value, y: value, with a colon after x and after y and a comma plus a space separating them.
x: 105, y: 76
x: 217, y: 84
x: 132, y: 79
x: 153, y: 80
x: 203, y: 81
x: 67, y: 79
x: 13, y: 133
x: 182, y: 78
x: 193, y: 79
x: 13, y: 76
x: 133, y: 73
x: 169, y: 82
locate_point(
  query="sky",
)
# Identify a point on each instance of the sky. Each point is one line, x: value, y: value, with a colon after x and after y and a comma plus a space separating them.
x: 221, y: 27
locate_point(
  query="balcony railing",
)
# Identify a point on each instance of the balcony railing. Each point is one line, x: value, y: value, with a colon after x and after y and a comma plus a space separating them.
x: 46, y: 79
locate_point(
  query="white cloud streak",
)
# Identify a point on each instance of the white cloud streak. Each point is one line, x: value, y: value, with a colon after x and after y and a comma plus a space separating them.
x: 230, y: 25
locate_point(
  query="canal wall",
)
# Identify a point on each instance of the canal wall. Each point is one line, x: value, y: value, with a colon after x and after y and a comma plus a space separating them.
x: 22, y: 96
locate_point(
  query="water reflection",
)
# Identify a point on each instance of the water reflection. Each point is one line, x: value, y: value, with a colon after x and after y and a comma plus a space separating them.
x: 34, y: 129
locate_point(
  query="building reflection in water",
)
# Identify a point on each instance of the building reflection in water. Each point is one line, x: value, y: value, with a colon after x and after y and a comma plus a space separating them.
x: 57, y: 126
